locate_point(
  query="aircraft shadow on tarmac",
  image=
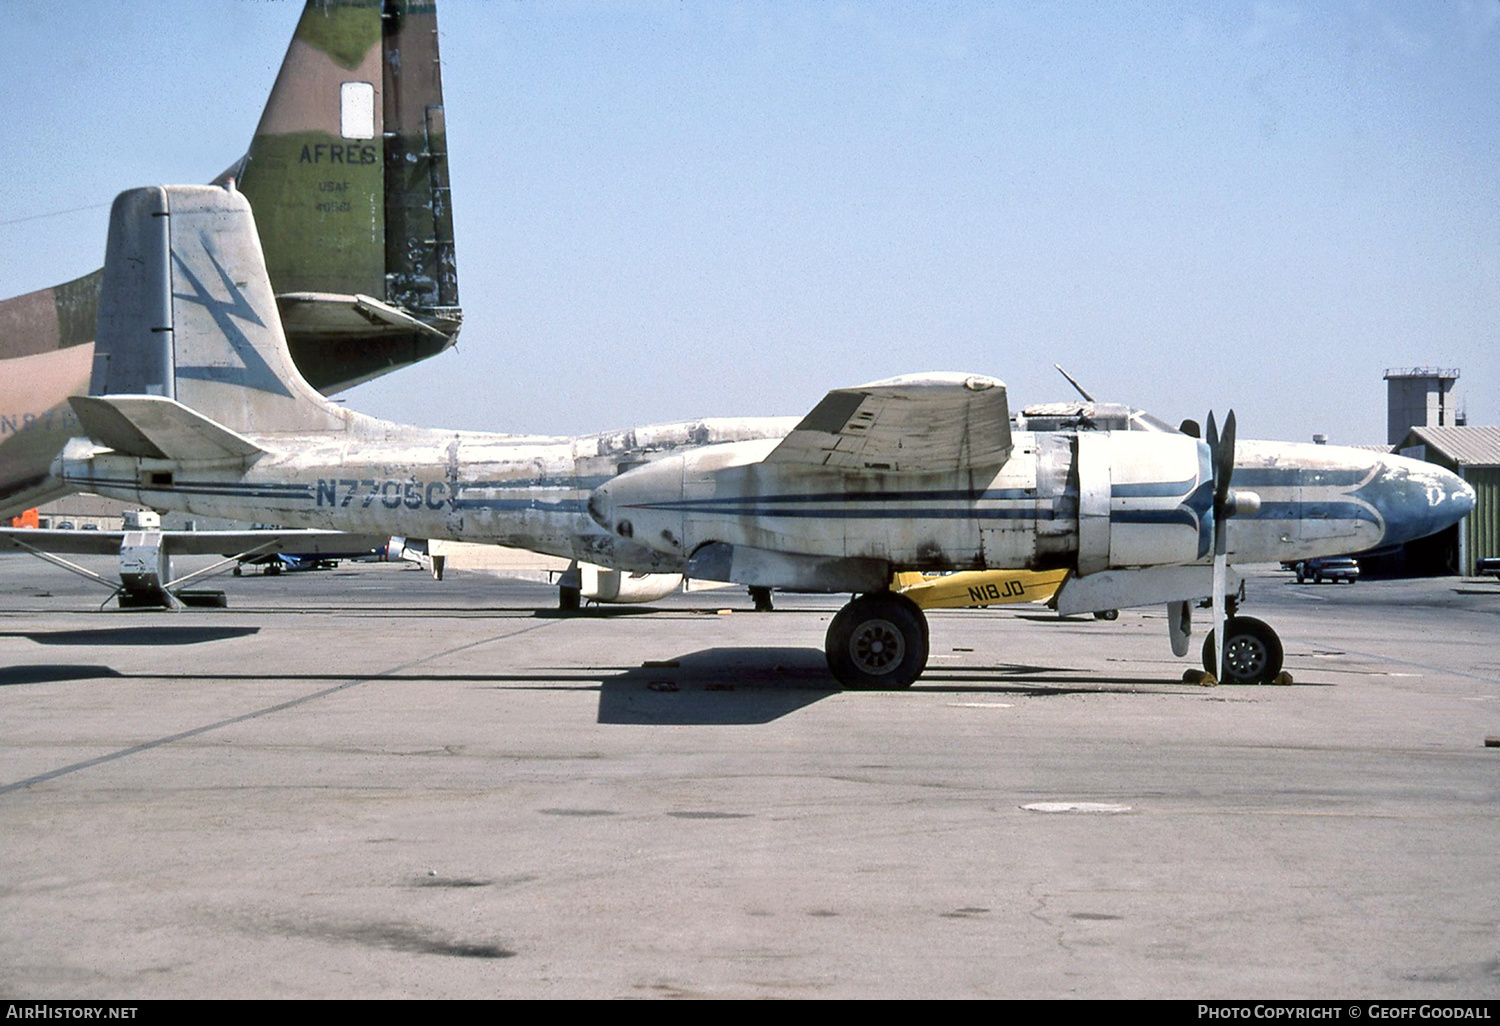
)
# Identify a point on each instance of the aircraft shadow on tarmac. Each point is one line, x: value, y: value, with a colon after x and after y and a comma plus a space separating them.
x: 50, y: 673
x: 53, y: 673
x: 728, y: 686
x: 718, y: 686
x: 161, y: 635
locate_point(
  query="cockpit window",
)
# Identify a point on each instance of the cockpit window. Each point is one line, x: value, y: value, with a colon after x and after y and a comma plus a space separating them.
x: 1140, y: 420
x: 1088, y: 416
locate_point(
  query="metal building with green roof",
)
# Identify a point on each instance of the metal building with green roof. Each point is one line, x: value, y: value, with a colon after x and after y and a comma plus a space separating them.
x: 1473, y: 453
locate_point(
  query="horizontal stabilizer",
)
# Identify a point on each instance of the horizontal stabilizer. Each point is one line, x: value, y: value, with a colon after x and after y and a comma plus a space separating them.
x: 332, y: 316
x: 916, y: 424
x: 160, y: 428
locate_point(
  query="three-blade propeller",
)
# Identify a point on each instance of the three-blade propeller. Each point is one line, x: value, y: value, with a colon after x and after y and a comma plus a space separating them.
x: 1221, y: 459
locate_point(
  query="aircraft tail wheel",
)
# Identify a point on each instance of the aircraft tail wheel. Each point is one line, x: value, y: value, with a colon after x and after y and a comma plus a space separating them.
x: 1252, y: 652
x: 878, y: 641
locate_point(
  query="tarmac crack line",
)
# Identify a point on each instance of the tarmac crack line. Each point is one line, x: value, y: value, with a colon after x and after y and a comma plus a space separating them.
x: 147, y: 746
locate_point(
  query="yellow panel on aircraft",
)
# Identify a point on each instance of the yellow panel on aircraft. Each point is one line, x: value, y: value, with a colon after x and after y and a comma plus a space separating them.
x: 974, y: 589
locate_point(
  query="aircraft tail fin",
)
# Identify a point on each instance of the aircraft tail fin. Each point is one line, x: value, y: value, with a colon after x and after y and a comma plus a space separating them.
x: 186, y: 312
x: 348, y: 175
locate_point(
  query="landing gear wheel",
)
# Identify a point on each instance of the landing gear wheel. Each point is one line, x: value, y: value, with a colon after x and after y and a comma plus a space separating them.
x: 1107, y: 614
x: 1252, y: 652
x: 569, y: 599
x: 877, y: 641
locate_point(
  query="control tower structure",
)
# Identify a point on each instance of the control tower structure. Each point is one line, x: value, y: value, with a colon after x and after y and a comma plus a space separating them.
x: 1419, y: 397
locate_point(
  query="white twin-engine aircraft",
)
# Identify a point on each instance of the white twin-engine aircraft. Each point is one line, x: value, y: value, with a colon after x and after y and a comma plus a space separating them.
x: 197, y: 407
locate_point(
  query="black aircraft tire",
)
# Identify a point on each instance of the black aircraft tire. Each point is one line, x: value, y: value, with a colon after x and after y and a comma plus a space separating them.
x: 877, y: 642
x: 569, y: 599
x: 1252, y: 652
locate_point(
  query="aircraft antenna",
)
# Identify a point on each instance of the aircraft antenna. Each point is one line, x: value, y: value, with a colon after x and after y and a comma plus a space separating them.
x: 1075, y: 384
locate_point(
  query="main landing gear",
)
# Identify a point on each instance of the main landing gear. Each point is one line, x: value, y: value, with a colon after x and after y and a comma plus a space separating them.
x: 878, y: 641
x: 1252, y: 652
x: 570, y: 589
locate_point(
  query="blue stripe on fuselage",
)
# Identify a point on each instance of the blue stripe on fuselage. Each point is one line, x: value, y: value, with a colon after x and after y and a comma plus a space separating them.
x: 1152, y: 489
x: 1314, y: 511
x: 708, y: 503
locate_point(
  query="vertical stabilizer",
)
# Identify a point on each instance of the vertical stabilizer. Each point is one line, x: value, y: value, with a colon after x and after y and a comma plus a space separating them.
x: 315, y: 171
x: 186, y: 311
x: 421, y: 270
x: 348, y: 175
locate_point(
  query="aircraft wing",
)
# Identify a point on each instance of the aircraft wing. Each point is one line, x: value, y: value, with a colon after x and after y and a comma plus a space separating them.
x: 192, y: 543
x: 74, y: 543
x: 301, y: 543
x: 914, y: 424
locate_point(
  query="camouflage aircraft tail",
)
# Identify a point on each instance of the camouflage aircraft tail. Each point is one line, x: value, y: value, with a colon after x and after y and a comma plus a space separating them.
x: 190, y: 354
x: 348, y: 175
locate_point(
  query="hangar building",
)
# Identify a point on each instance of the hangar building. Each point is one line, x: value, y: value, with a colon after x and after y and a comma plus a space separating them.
x: 1473, y: 453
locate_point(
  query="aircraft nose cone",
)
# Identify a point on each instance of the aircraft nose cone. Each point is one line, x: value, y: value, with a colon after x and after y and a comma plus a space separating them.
x: 1417, y: 498
x: 640, y: 504
x: 1464, y: 498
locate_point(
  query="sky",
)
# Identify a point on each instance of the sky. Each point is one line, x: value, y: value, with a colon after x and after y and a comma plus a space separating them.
x: 670, y: 210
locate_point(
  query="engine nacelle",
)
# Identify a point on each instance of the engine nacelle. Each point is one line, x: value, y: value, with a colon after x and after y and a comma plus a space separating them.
x: 601, y: 584
x: 1143, y: 500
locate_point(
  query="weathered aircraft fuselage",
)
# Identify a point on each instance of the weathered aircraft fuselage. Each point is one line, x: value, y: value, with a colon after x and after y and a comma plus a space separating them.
x: 1090, y: 500
x: 1087, y: 500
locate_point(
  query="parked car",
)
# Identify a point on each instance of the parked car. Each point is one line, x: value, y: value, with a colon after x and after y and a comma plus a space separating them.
x: 1487, y: 566
x: 1327, y: 568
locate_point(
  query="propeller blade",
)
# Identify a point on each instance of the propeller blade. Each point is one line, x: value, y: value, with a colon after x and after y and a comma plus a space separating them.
x: 1224, y: 469
x: 1221, y: 456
